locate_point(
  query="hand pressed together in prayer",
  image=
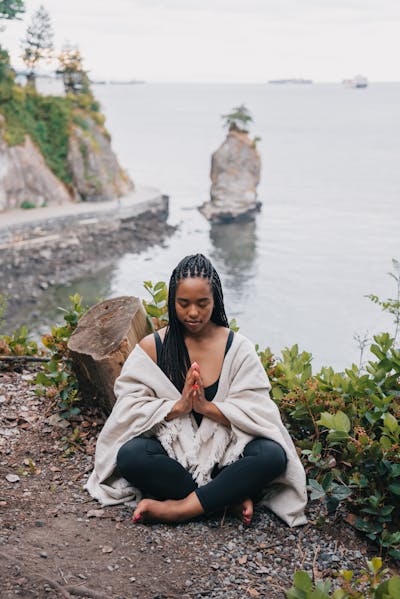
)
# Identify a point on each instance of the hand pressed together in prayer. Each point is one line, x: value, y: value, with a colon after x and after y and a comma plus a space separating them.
x: 193, y: 398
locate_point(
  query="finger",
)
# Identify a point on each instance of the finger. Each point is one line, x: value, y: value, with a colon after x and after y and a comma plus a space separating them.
x: 198, y: 379
x: 189, y: 377
x: 195, y: 366
x: 136, y: 517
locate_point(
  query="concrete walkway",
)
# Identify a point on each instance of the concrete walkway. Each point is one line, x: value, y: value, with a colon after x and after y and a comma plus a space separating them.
x: 141, y: 200
x: 131, y: 205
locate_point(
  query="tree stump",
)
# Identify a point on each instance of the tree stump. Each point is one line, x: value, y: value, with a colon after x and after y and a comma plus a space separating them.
x: 100, y: 344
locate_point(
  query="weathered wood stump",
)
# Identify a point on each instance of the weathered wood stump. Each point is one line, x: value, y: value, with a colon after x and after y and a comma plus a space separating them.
x: 100, y: 344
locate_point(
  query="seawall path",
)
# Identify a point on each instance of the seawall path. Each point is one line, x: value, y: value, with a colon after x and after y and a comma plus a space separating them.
x: 47, y: 246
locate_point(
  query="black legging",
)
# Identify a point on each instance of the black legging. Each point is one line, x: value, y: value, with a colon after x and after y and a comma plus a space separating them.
x: 147, y: 466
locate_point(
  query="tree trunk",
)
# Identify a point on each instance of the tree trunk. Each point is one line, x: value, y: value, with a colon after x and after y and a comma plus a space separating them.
x: 100, y: 344
x: 31, y: 80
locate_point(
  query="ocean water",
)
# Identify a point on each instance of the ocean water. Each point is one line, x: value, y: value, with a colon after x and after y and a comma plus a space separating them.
x: 330, y: 194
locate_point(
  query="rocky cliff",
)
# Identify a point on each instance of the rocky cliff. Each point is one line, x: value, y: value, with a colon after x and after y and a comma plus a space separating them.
x: 235, y: 174
x: 95, y: 172
x: 25, y: 178
x: 88, y: 169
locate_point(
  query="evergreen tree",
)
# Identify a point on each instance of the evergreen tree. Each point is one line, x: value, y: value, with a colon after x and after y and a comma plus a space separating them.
x: 10, y: 9
x: 238, y: 119
x: 38, y: 43
x: 75, y: 78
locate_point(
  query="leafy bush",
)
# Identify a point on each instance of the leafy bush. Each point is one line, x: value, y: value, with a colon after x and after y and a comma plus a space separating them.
x: 47, y: 120
x: 19, y: 343
x: 157, y: 308
x: 57, y: 381
x: 370, y: 585
x: 27, y: 205
x: 347, y: 427
x: 391, y: 305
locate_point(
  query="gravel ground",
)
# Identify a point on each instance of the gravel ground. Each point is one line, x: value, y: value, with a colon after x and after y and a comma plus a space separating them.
x: 57, y: 542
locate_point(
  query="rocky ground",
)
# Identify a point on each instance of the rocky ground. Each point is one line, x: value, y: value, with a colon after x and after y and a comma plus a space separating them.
x: 57, y: 542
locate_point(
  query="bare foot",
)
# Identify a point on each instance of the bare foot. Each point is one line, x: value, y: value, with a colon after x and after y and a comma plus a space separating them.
x: 244, y: 510
x: 170, y: 510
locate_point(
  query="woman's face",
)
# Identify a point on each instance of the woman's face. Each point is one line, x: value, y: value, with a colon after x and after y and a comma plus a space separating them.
x: 194, y: 303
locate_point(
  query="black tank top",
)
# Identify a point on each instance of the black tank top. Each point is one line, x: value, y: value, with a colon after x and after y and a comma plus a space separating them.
x: 210, y: 391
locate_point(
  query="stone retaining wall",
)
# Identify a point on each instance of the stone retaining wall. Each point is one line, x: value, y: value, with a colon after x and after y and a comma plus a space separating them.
x: 36, y: 255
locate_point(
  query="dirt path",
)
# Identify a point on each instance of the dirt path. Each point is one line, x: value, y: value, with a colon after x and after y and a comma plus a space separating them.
x: 56, y: 542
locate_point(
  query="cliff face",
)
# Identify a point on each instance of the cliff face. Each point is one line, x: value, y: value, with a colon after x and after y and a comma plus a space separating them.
x: 235, y: 174
x: 96, y: 174
x: 26, y: 178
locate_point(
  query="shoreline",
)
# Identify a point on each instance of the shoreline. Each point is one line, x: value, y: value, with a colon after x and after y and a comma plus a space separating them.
x: 46, y: 247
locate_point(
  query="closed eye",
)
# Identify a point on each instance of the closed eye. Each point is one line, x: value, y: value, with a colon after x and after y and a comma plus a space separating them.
x: 204, y: 303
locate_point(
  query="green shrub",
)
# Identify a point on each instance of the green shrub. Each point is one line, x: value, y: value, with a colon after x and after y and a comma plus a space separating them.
x: 27, y: 205
x: 48, y: 120
x: 19, y: 343
x: 369, y: 585
x: 57, y: 380
x: 80, y: 121
x: 157, y: 308
x: 347, y: 427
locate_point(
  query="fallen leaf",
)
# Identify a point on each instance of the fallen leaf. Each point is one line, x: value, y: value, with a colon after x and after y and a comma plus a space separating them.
x: 243, y: 559
x: 107, y: 549
x: 350, y: 519
x: 13, y: 478
x: 95, y: 514
x: 253, y: 593
x: 56, y: 420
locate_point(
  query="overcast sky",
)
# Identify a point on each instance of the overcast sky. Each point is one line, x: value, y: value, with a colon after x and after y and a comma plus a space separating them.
x: 225, y: 40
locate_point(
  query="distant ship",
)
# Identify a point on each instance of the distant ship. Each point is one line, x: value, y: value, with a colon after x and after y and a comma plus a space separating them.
x: 125, y: 82
x: 358, y: 82
x: 301, y: 81
x: 116, y: 82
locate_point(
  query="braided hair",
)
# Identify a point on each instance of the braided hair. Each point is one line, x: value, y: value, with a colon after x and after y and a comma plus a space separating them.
x: 175, y: 361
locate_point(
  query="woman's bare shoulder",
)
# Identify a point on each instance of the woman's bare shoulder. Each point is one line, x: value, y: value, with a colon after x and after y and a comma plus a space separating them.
x: 148, y: 344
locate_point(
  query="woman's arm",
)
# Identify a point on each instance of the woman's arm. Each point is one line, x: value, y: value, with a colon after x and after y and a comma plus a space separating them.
x: 210, y: 410
x: 182, y: 406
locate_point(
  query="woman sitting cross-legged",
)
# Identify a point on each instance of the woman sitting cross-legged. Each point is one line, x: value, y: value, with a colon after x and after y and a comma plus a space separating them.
x: 193, y: 429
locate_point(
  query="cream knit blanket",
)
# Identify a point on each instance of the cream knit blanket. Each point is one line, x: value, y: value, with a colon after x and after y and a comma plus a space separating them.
x: 144, y: 398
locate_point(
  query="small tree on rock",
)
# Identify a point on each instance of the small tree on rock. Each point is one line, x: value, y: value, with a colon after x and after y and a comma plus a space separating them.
x: 38, y: 43
x: 75, y: 78
x: 238, y: 119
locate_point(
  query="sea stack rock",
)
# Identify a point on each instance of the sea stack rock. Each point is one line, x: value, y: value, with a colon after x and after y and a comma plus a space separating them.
x: 235, y: 174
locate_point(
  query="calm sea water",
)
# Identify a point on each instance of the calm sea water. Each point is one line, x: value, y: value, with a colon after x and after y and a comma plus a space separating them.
x: 330, y: 189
